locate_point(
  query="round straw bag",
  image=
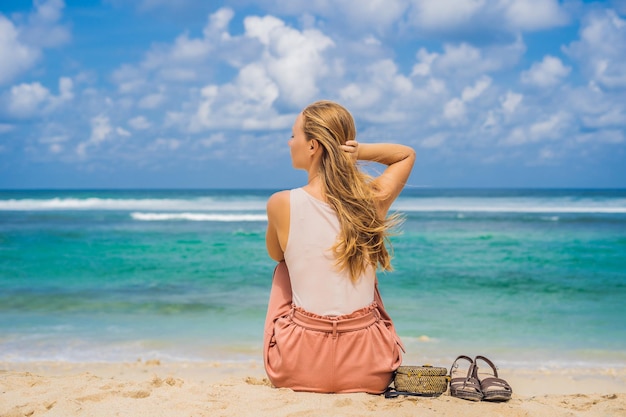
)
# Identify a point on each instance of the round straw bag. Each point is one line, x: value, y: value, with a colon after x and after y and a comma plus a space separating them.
x: 421, y: 380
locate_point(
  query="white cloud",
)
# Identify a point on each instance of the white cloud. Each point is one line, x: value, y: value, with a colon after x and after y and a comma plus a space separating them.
x: 436, y: 86
x: 443, y: 14
x: 359, y: 95
x: 511, y: 101
x: 186, y: 49
x: 293, y: 59
x: 261, y: 27
x: 54, y: 143
x: 273, y: 65
x: 535, y: 14
x: 550, y: 128
x: 503, y: 113
x: 139, y: 123
x: 15, y: 56
x: 349, y: 16
x: 424, y: 62
x: 245, y: 104
x: 30, y: 100
x: 375, y: 15
x: 455, y: 17
x: 43, y: 29
x: 468, y: 61
x: 55, y: 148
x: 516, y: 136
x: 614, y: 116
x: 601, y: 50
x: 382, y: 94
x: 290, y: 64
x: 596, y: 108
x: 48, y: 10
x: 129, y: 79
x: 549, y: 72
x: 473, y: 92
x: 459, y: 56
x: 547, y: 154
x: 491, y: 121
x: 454, y: 109
x: 176, y: 119
x: 385, y: 73
x: 434, y: 141
x: 54, y: 139
x: 218, y: 24
x: 100, y: 129
x: 178, y: 74
x: 357, y: 18
x: 21, y: 46
x: 66, y: 86
x: 165, y: 144
x: 372, y: 41
x: 27, y: 99
x: 184, y: 59
x: 151, y: 101
x: 213, y: 140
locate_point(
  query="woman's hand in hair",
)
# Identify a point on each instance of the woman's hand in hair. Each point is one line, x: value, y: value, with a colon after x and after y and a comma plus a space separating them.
x: 351, y: 147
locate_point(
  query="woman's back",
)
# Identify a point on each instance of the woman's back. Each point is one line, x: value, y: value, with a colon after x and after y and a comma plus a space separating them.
x: 318, y: 285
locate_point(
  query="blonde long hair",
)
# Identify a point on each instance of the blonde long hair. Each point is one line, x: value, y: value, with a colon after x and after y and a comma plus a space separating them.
x: 364, y: 235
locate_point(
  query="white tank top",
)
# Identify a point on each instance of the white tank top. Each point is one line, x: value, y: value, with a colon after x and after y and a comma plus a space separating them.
x: 316, y: 283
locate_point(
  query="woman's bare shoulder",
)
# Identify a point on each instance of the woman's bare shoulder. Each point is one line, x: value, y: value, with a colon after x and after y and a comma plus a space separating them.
x: 278, y: 200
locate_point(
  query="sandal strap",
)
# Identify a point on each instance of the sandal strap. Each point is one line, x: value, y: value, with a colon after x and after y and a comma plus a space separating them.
x: 470, y: 382
x: 467, y: 358
x: 488, y: 362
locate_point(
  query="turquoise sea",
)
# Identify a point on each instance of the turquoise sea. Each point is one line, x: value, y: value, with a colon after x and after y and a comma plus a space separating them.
x: 530, y: 278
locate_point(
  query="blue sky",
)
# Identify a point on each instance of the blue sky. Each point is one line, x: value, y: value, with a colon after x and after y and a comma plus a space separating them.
x: 199, y: 94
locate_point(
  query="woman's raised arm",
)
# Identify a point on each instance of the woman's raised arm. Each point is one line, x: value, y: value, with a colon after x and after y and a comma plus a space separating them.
x: 399, y: 160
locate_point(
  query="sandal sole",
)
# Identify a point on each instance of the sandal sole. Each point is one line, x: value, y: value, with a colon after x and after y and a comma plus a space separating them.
x: 497, y: 397
x: 464, y: 395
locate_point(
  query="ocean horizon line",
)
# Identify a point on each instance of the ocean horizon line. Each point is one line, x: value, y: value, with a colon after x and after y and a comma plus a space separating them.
x: 409, y: 188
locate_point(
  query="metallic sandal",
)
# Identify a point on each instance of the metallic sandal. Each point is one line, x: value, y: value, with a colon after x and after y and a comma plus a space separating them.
x: 466, y: 387
x: 493, y: 388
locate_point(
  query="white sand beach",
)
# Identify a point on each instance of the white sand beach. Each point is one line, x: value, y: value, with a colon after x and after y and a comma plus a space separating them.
x: 155, y: 388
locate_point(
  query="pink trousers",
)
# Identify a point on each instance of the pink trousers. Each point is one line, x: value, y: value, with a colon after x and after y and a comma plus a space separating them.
x: 303, y: 351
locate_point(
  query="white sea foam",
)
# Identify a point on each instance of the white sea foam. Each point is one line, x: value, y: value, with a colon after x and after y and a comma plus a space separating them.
x: 511, y: 205
x: 257, y: 203
x: 203, y: 203
x: 199, y: 217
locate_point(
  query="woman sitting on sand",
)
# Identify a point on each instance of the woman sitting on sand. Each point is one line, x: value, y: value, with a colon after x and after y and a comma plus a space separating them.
x: 326, y: 328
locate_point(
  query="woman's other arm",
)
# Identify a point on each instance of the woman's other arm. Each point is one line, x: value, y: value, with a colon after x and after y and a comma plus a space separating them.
x: 277, y: 225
